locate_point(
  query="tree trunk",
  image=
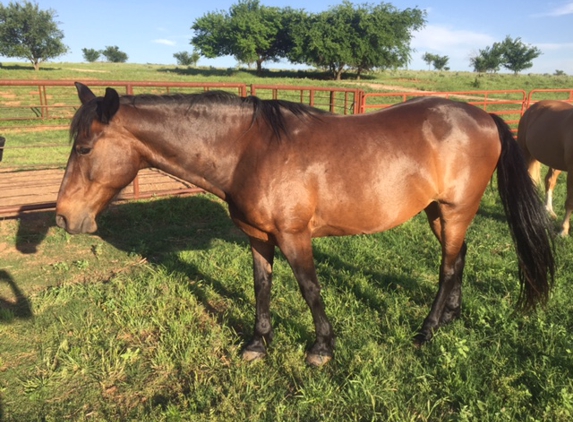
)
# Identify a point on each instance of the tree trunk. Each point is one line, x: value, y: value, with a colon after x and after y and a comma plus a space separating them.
x: 339, y: 71
x: 259, y: 67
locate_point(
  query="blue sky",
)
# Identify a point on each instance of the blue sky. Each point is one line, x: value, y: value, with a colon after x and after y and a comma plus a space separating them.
x: 152, y: 31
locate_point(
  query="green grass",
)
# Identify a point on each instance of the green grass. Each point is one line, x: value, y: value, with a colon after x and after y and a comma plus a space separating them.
x: 36, y: 149
x: 422, y: 80
x: 146, y: 321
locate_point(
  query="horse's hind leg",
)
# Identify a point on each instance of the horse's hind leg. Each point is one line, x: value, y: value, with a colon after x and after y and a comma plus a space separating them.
x: 568, y: 205
x: 533, y: 166
x: 297, y: 249
x: 451, y: 234
x: 263, y: 255
x: 550, y: 182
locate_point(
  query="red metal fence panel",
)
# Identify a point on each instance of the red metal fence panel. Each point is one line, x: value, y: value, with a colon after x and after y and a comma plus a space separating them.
x: 51, y: 104
x: 335, y: 100
x: 550, y: 94
x: 509, y: 104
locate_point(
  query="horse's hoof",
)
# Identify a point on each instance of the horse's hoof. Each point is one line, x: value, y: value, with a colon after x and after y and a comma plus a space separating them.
x: 421, y: 339
x: 316, y: 360
x: 252, y: 355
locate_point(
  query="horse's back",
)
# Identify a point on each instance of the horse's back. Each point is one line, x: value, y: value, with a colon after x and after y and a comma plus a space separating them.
x: 546, y: 132
x: 369, y: 173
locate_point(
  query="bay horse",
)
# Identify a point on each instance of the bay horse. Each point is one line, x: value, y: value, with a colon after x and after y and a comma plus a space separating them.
x: 290, y: 172
x: 545, y: 134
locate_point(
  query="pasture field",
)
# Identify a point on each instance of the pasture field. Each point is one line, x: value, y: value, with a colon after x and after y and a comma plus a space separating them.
x: 377, y: 81
x: 145, y: 320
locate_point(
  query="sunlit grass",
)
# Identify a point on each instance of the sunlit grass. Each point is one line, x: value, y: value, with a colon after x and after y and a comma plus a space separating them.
x: 146, y: 322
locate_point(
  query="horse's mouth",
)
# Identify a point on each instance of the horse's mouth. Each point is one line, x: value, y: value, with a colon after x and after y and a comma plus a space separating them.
x: 87, y: 225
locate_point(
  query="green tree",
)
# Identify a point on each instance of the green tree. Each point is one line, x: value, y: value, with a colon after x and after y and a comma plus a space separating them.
x: 91, y: 55
x: 30, y: 33
x: 440, y: 62
x: 185, y: 59
x: 488, y: 60
x: 363, y: 38
x: 435, y: 60
x: 429, y: 59
x: 250, y: 32
x: 114, y: 54
x: 518, y: 56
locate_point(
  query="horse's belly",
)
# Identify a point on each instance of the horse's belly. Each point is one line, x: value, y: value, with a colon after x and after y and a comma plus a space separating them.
x: 550, y: 152
x: 366, y: 217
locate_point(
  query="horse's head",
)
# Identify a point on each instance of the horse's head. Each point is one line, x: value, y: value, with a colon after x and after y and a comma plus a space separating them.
x: 103, y: 161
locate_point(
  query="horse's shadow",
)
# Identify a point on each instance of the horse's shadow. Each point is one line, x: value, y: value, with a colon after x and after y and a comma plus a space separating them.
x: 158, y: 230
x: 19, y: 307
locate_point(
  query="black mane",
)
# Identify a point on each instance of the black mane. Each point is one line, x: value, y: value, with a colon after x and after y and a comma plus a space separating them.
x: 271, y: 111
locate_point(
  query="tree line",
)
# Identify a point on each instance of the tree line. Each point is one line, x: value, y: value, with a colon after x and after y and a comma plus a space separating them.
x: 510, y: 53
x: 345, y: 37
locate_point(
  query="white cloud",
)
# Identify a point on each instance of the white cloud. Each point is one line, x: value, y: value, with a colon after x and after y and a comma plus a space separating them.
x: 446, y: 40
x: 554, y: 46
x: 566, y: 9
x: 164, y: 42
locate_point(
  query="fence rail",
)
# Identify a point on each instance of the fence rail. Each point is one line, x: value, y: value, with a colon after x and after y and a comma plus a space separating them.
x: 550, y: 94
x: 37, y: 105
x: 510, y: 104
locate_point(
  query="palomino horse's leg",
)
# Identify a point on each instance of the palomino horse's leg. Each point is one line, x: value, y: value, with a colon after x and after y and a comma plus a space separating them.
x: 451, y: 233
x: 297, y: 248
x: 550, y: 182
x: 568, y: 205
x: 263, y: 255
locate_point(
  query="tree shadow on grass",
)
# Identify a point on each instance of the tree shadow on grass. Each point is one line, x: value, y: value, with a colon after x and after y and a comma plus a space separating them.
x: 266, y: 73
x: 24, y: 67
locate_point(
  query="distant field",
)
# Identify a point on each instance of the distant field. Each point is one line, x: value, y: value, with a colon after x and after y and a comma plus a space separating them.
x: 145, y: 320
x: 422, y: 80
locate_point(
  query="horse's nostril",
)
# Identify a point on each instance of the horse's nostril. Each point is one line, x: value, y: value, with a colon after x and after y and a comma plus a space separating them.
x: 61, y: 221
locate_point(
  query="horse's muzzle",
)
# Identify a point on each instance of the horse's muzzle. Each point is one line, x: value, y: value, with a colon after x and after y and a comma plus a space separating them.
x: 87, y: 225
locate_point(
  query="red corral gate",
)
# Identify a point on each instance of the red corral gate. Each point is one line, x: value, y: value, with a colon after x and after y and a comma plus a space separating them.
x: 508, y: 104
x: 32, y: 106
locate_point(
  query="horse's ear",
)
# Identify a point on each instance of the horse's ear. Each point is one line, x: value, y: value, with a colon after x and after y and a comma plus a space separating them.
x: 84, y: 93
x: 110, y: 105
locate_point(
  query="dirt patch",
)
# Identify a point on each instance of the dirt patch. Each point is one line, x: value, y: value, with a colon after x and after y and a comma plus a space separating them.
x: 4, y: 247
x: 388, y: 87
x: 8, y: 96
x: 91, y: 71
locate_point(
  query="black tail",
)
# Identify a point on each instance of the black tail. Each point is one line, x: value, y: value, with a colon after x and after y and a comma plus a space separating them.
x: 527, y: 218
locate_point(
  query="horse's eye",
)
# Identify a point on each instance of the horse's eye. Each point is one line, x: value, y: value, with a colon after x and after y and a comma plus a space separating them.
x: 83, y: 150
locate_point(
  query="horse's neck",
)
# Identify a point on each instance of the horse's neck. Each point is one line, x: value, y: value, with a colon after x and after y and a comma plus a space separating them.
x: 203, y: 149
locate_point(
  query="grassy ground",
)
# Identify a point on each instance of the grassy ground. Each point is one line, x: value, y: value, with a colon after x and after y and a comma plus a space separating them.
x: 422, y: 80
x: 145, y: 320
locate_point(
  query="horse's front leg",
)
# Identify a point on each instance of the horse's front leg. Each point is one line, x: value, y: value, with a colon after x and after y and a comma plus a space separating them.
x: 297, y: 248
x: 263, y: 255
